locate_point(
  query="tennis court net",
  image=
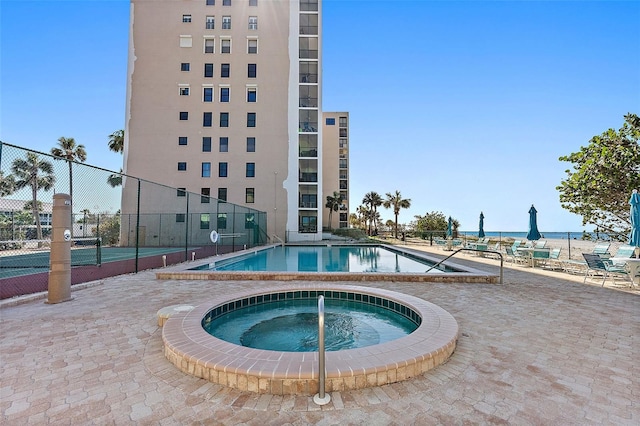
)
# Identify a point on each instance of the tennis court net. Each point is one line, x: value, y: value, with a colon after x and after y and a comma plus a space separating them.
x: 37, y: 253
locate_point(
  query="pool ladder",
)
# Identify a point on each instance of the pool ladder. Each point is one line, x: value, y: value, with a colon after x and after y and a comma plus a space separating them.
x: 321, y: 398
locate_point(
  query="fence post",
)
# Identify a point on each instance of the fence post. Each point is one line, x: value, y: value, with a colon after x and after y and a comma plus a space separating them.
x: 59, y: 289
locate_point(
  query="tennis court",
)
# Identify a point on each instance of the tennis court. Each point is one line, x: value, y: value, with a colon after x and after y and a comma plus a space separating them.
x: 37, y: 261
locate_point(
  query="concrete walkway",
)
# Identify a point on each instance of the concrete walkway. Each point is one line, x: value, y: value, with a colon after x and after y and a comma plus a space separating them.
x: 542, y: 348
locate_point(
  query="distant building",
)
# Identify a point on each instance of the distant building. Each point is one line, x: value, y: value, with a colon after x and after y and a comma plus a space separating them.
x: 224, y: 100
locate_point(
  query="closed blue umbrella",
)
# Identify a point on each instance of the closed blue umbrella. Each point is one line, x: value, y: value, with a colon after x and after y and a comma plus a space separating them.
x: 450, y: 228
x: 533, y: 233
x: 481, y: 228
x: 634, y: 236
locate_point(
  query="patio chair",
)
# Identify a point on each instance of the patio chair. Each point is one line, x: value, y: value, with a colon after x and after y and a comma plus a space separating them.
x: 540, y: 244
x: 553, y: 262
x: 625, y: 251
x: 515, y: 257
x: 602, y: 250
x: 579, y: 266
x: 596, y: 265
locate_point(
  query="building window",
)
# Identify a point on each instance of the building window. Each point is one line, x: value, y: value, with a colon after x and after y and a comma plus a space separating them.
x: 252, y: 46
x: 309, y: 5
x: 186, y: 41
x: 308, y: 24
x: 253, y: 2
x: 226, y: 22
x: 251, y: 119
x: 222, y: 221
x: 182, y: 166
x: 251, y: 170
x: 224, y: 119
x: 249, y: 196
x: 224, y: 144
x: 180, y: 217
x: 207, y: 94
x: 251, y: 144
x: 210, y: 23
x: 252, y: 70
x: 185, y: 66
x: 222, y: 194
x: 208, y: 70
x: 226, y: 2
x: 331, y: 121
x: 224, y: 94
x: 207, y: 118
x: 206, y: 169
x: 343, y: 121
x: 206, y: 144
x: 343, y: 132
x: 205, y: 220
x: 184, y: 91
x: 182, y: 140
x: 222, y: 169
x: 209, y: 45
x: 184, y: 115
x: 205, y: 195
x: 181, y: 192
x: 225, y: 46
x: 186, y: 18
x: 253, y: 22
x: 251, y: 94
x: 308, y: 47
x: 225, y: 70
x: 211, y: 2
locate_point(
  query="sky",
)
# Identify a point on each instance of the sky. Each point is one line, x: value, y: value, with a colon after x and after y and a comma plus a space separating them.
x: 462, y: 106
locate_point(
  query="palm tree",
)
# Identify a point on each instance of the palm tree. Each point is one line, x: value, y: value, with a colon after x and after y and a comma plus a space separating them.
x: 333, y: 204
x: 116, y: 144
x: 397, y: 202
x: 373, y: 200
x: 37, y: 174
x: 115, y: 179
x: 116, y: 141
x: 7, y: 185
x: 68, y: 150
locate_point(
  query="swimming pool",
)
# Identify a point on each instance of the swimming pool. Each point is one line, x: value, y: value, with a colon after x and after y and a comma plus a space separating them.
x: 327, y: 259
x: 306, y: 267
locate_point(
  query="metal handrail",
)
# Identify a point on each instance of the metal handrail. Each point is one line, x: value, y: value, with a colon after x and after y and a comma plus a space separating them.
x: 279, y: 239
x: 321, y: 398
x: 481, y: 251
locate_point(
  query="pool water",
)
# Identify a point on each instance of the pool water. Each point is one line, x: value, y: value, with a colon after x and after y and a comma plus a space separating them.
x: 326, y: 259
x: 292, y: 325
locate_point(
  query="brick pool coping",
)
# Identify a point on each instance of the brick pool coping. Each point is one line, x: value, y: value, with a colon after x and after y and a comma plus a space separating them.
x: 190, y: 348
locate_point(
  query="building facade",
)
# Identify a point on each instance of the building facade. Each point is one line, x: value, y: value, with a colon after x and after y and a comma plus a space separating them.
x: 224, y: 99
x: 335, y: 160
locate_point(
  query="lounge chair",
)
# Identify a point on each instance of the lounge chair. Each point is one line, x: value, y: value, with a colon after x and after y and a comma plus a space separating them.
x: 597, y: 265
x: 540, y: 244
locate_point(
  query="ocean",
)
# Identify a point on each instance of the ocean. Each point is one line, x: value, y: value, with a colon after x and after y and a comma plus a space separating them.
x: 550, y: 235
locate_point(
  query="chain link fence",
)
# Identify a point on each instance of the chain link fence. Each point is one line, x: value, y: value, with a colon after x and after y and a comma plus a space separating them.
x: 120, y: 224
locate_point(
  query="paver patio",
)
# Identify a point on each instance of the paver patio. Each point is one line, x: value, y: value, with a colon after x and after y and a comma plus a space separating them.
x: 542, y: 348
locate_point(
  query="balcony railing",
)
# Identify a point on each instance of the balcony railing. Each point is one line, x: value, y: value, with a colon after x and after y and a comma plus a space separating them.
x: 309, y: 153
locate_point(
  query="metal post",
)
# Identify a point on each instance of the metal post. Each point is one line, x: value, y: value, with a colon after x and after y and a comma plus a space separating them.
x: 321, y: 398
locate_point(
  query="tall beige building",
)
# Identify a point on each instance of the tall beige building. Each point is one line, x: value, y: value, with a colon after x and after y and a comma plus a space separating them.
x: 224, y: 100
x: 335, y: 166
